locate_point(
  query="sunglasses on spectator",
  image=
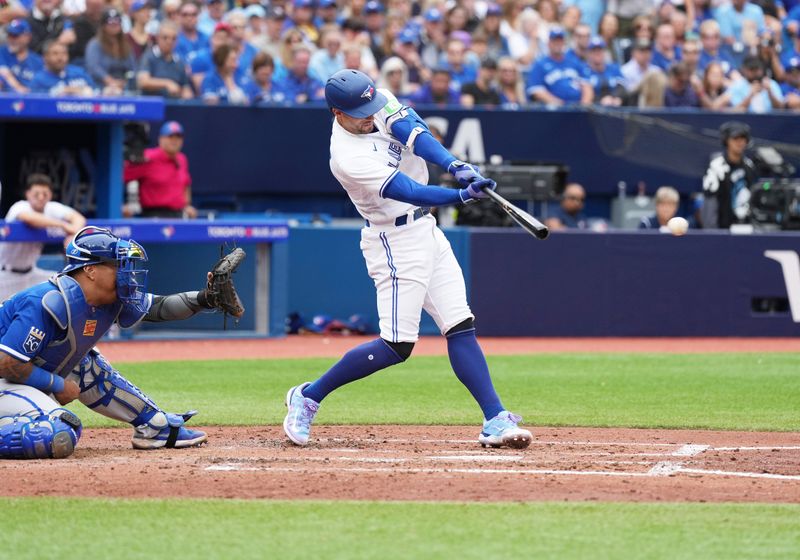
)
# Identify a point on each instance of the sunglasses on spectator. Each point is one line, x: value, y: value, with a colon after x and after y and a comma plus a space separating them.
x: 168, y: 37
x: 170, y: 13
x: 710, y: 36
x: 191, y: 13
x: 573, y: 197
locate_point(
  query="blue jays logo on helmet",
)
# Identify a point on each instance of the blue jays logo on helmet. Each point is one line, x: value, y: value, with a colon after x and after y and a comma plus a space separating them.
x: 97, y: 245
x: 353, y: 93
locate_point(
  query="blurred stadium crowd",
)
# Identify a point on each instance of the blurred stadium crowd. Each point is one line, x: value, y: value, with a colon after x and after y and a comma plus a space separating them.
x: 711, y: 54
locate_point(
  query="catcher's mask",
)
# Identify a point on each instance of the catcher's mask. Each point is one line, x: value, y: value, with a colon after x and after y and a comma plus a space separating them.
x: 95, y: 245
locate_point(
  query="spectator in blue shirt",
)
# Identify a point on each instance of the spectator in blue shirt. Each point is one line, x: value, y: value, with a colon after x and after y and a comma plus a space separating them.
x: 221, y: 85
x: 202, y: 63
x: 247, y: 52
x: 754, y: 92
x: 554, y: 80
x: 211, y: 16
x: 731, y: 18
x: 302, y: 18
x: 109, y: 59
x: 329, y: 59
x: 161, y: 71
x: 462, y: 71
x: 569, y: 214
x: 679, y: 91
x: 190, y: 40
x: 261, y: 88
x: 667, y: 201
x: 496, y: 42
x: 790, y: 50
x: 437, y: 91
x: 58, y: 76
x: 18, y: 65
x: 791, y: 88
x: 604, y: 77
x: 299, y: 86
x: 580, y: 44
x: 665, y: 49
x: 711, y: 39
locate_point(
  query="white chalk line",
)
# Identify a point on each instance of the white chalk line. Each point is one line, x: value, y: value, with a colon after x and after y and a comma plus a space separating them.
x: 425, y: 470
x: 667, y: 470
x: 757, y: 448
x: 475, y: 440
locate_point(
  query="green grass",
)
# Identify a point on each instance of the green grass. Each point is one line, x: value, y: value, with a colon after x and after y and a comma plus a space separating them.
x: 236, y: 529
x: 716, y: 391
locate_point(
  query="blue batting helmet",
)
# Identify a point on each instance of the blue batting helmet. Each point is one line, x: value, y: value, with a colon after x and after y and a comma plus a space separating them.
x: 353, y: 93
x: 97, y: 245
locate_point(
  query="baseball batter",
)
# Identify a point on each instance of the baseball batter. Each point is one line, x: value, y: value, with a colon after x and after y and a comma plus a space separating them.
x: 18, y: 268
x: 48, y: 358
x: 378, y: 154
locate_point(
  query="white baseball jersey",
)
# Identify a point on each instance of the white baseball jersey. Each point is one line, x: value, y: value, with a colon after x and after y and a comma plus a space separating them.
x: 23, y: 255
x: 412, y: 265
x: 365, y: 163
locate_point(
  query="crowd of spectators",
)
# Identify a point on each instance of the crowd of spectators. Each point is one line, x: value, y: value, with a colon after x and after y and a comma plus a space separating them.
x: 714, y: 54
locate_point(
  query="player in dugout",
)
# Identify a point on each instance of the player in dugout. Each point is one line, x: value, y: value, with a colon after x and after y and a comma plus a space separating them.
x: 379, y: 150
x: 48, y: 356
x: 18, y: 268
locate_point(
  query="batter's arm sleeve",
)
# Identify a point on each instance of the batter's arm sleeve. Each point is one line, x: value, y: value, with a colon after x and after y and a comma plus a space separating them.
x: 408, y: 127
x: 176, y: 307
x: 405, y: 189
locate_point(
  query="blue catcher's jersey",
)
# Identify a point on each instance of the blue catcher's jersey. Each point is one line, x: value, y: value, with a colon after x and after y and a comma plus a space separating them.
x: 52, y: 325
x: 561, y: 78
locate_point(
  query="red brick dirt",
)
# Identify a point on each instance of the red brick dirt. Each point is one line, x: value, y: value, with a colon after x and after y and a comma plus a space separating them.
x: 331, y: 346
x: 424, y: 462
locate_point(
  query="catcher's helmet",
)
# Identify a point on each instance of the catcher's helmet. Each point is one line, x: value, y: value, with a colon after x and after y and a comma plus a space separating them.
x: 353, y: 93
x: 96, y: 245
x: 733, y: 129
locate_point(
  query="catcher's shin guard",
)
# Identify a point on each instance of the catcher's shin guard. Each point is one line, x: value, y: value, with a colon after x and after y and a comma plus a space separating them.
x: 104, y: 390
x: 50, y: 436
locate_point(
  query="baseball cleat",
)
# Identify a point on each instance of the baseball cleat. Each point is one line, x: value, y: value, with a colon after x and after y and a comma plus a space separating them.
x: 299, y: 416
x: 174, y: 435
x: 502, y: 431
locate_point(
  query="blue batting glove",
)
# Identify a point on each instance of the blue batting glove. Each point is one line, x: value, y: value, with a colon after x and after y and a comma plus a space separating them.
x: 475, y: 190
x: 466, y: 173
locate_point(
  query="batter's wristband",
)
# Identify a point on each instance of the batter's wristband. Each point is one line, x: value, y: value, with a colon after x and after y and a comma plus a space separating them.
x: 44, y: 381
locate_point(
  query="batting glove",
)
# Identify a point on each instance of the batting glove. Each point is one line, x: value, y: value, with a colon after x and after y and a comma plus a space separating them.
x: 466, y: 173
x: 475, y: 190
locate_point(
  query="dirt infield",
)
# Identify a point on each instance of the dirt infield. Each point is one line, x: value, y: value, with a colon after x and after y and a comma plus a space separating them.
x: 427, y: 463
x: 332, y: 346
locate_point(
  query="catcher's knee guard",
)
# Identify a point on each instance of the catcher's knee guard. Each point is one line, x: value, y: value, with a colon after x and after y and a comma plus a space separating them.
x: 53, y: 435
x: 104, y: 390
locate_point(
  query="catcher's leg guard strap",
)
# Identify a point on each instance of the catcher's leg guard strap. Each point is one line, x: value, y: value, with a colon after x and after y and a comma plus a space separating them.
x: 44, y: 437
x: 104, y: 390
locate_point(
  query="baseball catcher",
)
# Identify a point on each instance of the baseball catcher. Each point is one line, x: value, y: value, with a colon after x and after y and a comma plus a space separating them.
x: 47, y: 354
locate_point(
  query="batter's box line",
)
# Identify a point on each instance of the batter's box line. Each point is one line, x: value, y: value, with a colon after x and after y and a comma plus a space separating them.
x: 552, y: 472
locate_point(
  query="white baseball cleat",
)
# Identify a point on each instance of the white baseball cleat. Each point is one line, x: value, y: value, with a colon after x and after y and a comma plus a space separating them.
x: 299, y: 416
x: 502, y: 431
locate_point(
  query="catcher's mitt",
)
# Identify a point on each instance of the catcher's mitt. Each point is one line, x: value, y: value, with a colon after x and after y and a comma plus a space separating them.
x: 220, y: 293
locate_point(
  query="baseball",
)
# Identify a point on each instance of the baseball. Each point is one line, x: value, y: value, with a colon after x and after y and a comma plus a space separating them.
x: 678, y: 225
